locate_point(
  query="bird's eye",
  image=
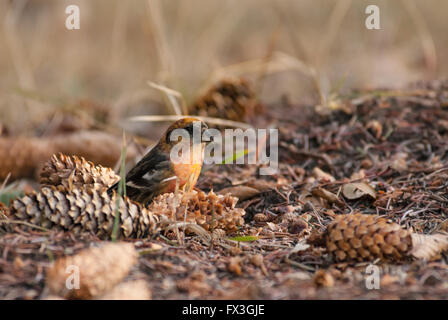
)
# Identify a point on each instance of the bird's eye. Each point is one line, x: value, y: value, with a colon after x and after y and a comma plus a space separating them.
x: 189, y: 128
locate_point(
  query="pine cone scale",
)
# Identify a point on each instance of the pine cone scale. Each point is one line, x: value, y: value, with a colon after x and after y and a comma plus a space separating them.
x: 73, y: 171
x: 83, y: 210
x: 200, y: 208
x: 360, y: 237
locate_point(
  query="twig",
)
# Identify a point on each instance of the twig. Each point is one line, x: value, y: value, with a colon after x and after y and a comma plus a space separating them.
x: 7, y: 221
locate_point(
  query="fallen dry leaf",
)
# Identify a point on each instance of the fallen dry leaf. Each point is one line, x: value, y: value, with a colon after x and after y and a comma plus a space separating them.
x: 357, y: 190
x: 241, y: 192
x: 321, y: 175
x: 327, y: 195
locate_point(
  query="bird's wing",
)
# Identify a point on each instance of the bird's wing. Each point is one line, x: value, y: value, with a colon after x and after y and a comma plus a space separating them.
x: 148, y: 173
x: 152, y: 169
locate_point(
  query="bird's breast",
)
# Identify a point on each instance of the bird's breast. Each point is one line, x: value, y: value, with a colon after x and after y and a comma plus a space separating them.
x: 188, y: 171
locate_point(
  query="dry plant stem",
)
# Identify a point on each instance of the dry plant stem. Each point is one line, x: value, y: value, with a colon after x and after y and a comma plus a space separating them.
x: 216, y: 121
x: 334, y: 24
x: 427, y: 41
x: 335, y: 21
x: 8, y: 221
x: 160, y: 38
x: 118, y: 31
x: 278, y: 62
x: 265, y: 68
x: 18, y: 56
x: 173, y: 97
x: 121, y: 190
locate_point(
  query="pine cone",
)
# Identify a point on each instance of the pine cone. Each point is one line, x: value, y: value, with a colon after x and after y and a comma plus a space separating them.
x: 4, y: 210
x: 362, y: 237
x: 77, y: 116
x: 20, y: 156
x: 23, y: 156
x: 210, y: 211
x: 97, y: 146
x: 130, y: 290
x: 98, y: 269
x: 70, y: 171
x: 232, y: 99
x: 83, y: 210
x: 4, y: 215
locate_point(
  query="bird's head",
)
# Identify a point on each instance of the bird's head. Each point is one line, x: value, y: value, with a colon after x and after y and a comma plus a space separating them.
x: 192, y: 128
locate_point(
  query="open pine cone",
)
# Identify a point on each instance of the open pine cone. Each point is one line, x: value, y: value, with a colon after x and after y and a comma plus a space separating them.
x: 73, y: 171
x: 83, y: 210
x: 362, y: 237
x: 210, y: 211
x: 99, y: 270
x: 232, y: 99
x: 4, y: 210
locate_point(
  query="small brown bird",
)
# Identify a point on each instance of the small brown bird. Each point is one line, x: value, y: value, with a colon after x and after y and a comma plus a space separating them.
x: 172, y: 162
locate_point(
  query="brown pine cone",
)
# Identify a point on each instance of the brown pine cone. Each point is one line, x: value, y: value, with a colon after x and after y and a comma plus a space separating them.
x: 24, y: 156
x: 79, y: 115
x: 232, y: 99
x: 73, y: 171
x: 210, y: 211
x: 4, y: 215
x: 83, y: 210
x: 97, y: 146
x: 4, y: 210
x: 129, y: 290
x: 362, y: 237
x: 98, y: 270
x: 20, y: 156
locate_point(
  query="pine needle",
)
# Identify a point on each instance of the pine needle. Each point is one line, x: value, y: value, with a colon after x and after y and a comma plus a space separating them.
x: 121, y: 189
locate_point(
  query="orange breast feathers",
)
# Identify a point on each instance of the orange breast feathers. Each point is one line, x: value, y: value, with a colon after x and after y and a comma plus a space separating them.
x: 187, y: 168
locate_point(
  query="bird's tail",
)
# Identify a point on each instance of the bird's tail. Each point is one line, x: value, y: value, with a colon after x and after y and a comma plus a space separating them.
x: 113, y: 188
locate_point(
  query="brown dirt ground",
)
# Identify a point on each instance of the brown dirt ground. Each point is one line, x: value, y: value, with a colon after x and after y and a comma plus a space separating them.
x: 396, y: 140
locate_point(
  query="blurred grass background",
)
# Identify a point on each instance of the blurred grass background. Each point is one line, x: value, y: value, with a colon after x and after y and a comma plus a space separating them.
x: 312, y: 47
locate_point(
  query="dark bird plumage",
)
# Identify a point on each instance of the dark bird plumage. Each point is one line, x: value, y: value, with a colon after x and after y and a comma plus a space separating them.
x: 156, y: 173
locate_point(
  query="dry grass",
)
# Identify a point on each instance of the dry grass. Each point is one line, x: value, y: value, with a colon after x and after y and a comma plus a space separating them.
x: 310, y: 51
x: 185, y: 45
